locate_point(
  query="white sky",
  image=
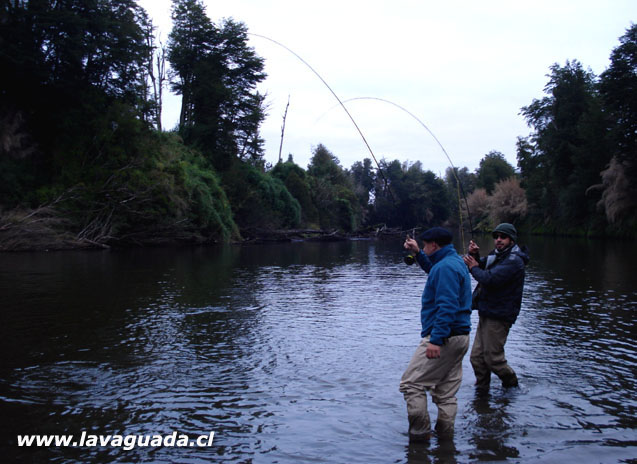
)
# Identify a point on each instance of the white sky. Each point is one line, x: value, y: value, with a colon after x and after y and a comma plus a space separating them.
x: 464, y: 68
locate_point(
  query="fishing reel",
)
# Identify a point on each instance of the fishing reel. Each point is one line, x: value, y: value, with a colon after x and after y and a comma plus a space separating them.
x: 409, y: 259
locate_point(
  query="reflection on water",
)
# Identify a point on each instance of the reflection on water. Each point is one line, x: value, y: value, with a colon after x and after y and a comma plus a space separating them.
x: 293, y: 352
x: 492, y: 427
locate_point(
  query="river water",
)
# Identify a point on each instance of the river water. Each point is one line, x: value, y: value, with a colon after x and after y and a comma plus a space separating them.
x: 293, y: 353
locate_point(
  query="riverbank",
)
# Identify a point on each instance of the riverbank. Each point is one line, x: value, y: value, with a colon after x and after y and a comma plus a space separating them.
x: 46, y: 230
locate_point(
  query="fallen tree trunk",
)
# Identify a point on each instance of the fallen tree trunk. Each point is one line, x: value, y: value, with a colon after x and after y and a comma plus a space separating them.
x: 264, y: 235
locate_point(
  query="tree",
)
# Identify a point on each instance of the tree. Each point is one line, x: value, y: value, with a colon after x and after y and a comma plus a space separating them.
x: 533, y: 175
x: 458, y: 194
x: 157, y: 72
x: 508, y: 202
x: 259, y: 199
x: 67, y: 65
x: 493, y: 168
x: 418, y: 198
x: 296, y: 181
x: 478, y: 202
x: 92, y: 43
x: 567, y: 147
x: 72, y: 47
x: 217, y: 73
x: 188, y: 45
x: 363, y: 179
x: 333, y: 192
x: 619, y: 197
x: 362, y: 176
x: 468, y: 180
x: 326, y: 165
x: 617, y: 88
x: 425, y: 197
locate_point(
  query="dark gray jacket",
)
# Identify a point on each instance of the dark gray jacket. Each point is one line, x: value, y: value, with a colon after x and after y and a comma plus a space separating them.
x: 500, y: 283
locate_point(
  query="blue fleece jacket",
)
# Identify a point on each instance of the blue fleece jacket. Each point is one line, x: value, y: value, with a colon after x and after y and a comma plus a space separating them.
x: 446, y: 299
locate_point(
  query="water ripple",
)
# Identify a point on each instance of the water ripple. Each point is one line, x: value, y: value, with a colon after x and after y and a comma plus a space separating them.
x: 294, y: 353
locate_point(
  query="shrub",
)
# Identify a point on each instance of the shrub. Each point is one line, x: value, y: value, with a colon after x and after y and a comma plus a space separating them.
x: 508, y: 202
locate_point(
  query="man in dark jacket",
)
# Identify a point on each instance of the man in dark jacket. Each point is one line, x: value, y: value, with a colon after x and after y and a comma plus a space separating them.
x: 445, y: 317
x: 498, y: 298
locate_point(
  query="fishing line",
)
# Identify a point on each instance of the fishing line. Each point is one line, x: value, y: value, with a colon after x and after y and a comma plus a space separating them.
x: 380, y: 171
x: 459, y: 187
x: 340, y: 103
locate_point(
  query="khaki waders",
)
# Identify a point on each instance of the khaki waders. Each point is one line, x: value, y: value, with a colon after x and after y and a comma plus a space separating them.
x: 487, y: 353
x: 442, y: 378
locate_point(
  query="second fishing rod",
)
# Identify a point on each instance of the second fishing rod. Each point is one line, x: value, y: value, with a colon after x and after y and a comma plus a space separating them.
x: 459, y: 188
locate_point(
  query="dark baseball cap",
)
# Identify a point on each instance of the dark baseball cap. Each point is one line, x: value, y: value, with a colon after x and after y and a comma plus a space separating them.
x: 436, y: 234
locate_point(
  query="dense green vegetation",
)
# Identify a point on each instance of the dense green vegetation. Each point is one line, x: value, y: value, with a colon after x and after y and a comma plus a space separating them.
x: 84, y: 159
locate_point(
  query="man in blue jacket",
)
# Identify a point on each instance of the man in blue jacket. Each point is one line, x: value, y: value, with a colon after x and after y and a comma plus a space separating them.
x: 445, y: 316
x: 498, y: 298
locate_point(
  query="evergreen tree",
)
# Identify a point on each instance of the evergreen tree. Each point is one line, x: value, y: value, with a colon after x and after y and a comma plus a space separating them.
x: 458, y: 197
x: 363, y: 180
x: 296, y: 181
x: 325, y: 165
x: 418, y: 198
x: 493, y: 169
x: 617, y: 87
x: 567, y: 145
x: 217, y: 73
x: 332, y: 192
x: 73, y: 73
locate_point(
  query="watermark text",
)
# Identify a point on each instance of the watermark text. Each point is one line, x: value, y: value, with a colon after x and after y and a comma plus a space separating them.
x: 126, y: 442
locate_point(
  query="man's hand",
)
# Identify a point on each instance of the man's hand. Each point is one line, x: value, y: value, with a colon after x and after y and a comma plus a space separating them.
x: 411, y: 245
x: 433, y: 351
x: 470, y: 261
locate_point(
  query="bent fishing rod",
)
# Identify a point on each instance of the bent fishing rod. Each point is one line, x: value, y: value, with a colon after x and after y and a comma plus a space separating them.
x: 453, y: 168
x: 459, y: 187
x: 342, y: 105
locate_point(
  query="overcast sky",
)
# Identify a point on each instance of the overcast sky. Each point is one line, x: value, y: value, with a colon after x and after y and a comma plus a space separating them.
x: 464, y: 68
